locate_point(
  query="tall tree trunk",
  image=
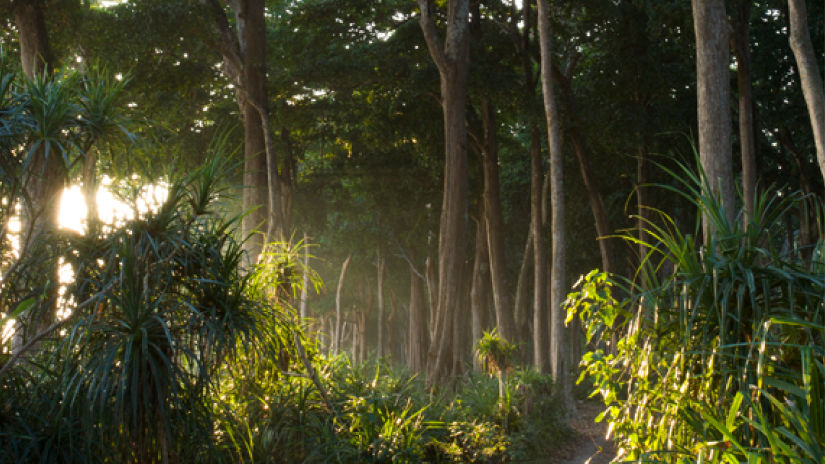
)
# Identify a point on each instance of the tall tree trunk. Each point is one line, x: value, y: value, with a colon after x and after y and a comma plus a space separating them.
x: 379, y: 350
x: 244, y: 56
x: 480, y: 288
x: 540, y: 345
x: 642, y: 202
x: 453, y: 61
x: 252, y: 41
x: 419, y: 336
x: 495, y: 227
x: 559, y: 354
x: 812, y: 87
x: 45, y: 175
x: 432, y: 295
x: 594, y: 194
x: 523, y: 313
x: 807, y: 233
x: 393, y: 351
x: 747, y: 141
x: 461, y: 333
x: 594, y: 197
x: 336, y: 345
x: 713, y: 106
x: 363, y: 317
x: 35, y: 53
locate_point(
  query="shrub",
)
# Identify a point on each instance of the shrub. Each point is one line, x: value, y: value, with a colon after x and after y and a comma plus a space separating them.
x: 735, y: 327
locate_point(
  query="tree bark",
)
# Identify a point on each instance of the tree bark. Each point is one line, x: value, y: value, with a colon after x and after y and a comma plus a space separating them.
x: 461, y: 333
x: 713, y: 103
x: 35, y: 52
x: 594, y: 197
x: 495, y: 227
x: 642, y: 202
x: 244, y: 56
x: 379, y: 350
x: 452, y: 59
x: 44, y: 177
x: 540, y: 347
x: 252, y: 40
x: 480, y: 288
x: 812, y: 87
x: 336, y: 345
x: 418, y: 334
x: 747, y: 140
x: 522, y: 306
x: 559, y: 354
x: 363, y: 317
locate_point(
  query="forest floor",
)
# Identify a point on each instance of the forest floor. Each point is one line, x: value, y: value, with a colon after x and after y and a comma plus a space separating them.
x: 590, y: 445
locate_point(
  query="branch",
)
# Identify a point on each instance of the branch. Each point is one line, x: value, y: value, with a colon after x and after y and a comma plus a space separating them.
x: 431, y: 36
x: 406, y: 258
x: 228, y: 44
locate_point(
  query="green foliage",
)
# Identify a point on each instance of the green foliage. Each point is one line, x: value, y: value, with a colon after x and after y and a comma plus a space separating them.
x: 494, y: 352
x: 721, y: 345
x: 383, y: 415
x: 133, y: 374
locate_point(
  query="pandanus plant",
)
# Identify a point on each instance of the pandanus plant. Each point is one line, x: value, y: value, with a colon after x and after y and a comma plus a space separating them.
x: 496, y: 356
x: 722, y: 357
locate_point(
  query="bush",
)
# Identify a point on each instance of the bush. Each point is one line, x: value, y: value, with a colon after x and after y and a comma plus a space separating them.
x: 721, y: 360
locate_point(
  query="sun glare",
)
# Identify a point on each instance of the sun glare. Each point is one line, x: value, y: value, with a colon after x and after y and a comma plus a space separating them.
x: 112, y: 212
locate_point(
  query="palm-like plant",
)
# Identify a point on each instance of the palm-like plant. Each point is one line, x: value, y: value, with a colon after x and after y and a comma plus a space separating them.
x: 706, y: 333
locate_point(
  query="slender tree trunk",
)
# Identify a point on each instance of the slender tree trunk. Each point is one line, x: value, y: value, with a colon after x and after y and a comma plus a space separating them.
x: 807, y: 233
x: 354, y: 340
x: 453, y: 61
x: 747, y: 141
x: 713, y: 108
x: 559, y: 353
x: 393, y: 351
x: 364, y: 317
x: 379, y: 350
x: 480, y: 289
x: 44, y: 177
x: 495, y: 227
x: 523, y: 313
x: 812, y: 87
x: 418, y: 334
x: 594, y: 197
x: 336, y: 345
x: 642, y: 201
x: 540, y: 346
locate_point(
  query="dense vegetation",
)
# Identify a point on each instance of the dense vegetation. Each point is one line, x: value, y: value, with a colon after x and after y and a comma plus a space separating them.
x: 346, y: 229
x: 723, y: 358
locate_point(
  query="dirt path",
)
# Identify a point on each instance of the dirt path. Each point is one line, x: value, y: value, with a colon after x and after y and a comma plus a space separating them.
x: 591, y: 447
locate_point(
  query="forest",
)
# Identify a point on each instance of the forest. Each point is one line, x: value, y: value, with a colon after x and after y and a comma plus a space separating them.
x: 396, y: 231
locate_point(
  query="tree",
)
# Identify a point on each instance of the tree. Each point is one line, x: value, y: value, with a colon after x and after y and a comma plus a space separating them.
x: 713, y: 102
x: 453, y: 62
x: 244, y: 57
x: 812, y: 86
x: 494, y: 226
x: 558, y: 338
x: 741, y: 48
